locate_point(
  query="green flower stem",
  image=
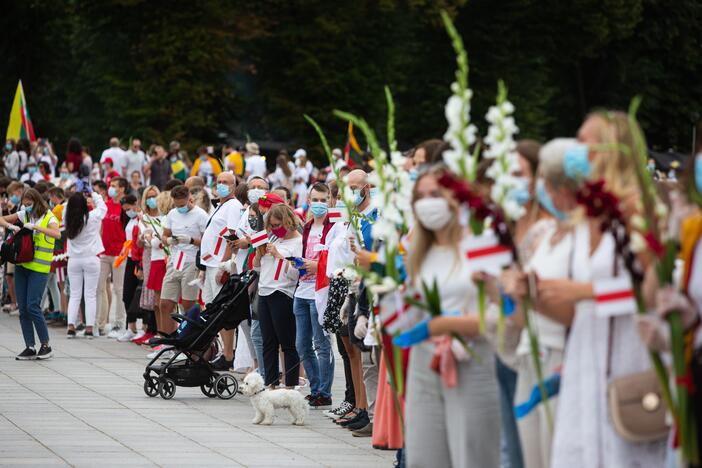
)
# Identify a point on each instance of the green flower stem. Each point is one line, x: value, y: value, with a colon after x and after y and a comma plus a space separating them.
x: 399, y: 378
x: 536, y: 359
x: 482, y: 306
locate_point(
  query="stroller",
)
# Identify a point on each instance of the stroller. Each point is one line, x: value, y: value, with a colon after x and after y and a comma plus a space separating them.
x: 194, y: 339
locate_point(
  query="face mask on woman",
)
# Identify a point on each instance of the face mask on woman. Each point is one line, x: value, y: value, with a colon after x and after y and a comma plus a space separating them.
x: 520, y: 193
x: 255, y: 194
x: 576, y: 162
x: 223, y: 190
x: 545, y: 199
x: 279, y: 232
x: 14, y: 199
x: 319, y: 209
x: 151, y: 202
x: 433, y: 213
x: 64, y: 176
x: 8, y: 146
x: 28, y: 209
x: 131, y: 213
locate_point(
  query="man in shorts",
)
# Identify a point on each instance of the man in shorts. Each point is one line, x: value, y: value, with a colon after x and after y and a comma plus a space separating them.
x: 182, y: 231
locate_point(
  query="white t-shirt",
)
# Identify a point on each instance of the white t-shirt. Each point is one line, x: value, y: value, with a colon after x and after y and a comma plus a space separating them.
x: 244, y: 229
x: 118, y: 156
x: 225, y: 218
x: 306, y: 287
x: 451, y: 270
x: 340, y: 254
x: 36, y: 177
x: 190, y: 224
x: 135, y: 162
x: 256, y: 166
x: 205, y: 169
x: 88, y: 243
x: 278, y: 275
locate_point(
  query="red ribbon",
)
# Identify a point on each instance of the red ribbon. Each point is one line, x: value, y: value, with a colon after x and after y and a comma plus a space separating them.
x: 444, y: 362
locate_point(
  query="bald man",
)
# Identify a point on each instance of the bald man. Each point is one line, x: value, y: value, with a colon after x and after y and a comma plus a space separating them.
x: 216, y: 254
x: 118, y: 156
x: 195, y: 182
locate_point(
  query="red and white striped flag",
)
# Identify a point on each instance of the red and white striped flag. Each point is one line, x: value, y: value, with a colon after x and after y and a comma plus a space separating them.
x: 260, y: 238
x: 395, y: 315
x: 485, y: 253
x: 614, y: 296
x: 321, y: 286
x: 337, y: 214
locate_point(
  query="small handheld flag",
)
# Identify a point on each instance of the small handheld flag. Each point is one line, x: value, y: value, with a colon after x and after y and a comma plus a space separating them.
x: 485, y: 253
x: 259, y: 239
x: 614, y: 296
x: 337, y: 214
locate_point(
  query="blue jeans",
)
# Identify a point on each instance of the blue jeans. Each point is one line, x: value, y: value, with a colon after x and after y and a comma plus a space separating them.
x: 318, y: 359
x: 29, y: 288
x: 510, y: 446
x: 257, y: 341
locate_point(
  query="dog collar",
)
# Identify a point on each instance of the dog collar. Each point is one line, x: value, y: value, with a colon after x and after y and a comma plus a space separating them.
x: 260, y: 391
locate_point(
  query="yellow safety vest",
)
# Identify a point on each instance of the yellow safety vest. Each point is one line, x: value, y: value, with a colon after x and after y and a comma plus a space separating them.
x: 43, y: 248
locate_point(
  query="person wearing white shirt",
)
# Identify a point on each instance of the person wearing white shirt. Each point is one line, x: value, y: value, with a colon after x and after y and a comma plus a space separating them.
x: 182, y: 231
x: 84, y: 245
x: 255, y: 164
x: 118, y: 156
x: 135, y: 159
x: 216, y: 255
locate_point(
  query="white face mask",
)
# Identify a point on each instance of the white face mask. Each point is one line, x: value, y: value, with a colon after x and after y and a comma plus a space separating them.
x: 433, y: 213
x: 255, y: 194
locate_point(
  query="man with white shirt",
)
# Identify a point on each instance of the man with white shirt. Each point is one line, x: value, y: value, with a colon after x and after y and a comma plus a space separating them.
x: 117, y: 155
x: 216, y: 255
x: 135, y: 159
x: 182, y: 231
x: 255, y: 163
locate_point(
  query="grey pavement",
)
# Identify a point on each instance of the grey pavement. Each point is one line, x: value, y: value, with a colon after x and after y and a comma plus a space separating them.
x: 86, y: 407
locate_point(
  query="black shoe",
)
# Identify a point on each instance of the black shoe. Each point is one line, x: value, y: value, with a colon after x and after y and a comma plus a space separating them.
x: 45, y: 352
x: 360, y: 424
x: 71, y: 334
x: 80, y: 327
x: 361, y: 414
x: 321, y: 403
x: 29, y: 354
x: 89, y: 335
x: 311, y: 397
x: 221, y: 363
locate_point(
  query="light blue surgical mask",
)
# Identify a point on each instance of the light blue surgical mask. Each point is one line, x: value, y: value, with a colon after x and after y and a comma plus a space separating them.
x: 576, y: 162
x: 413, y: 174
x: 151, y: 202
x: 520, y: 193
x: 358, y: 197
x: 373, y: 192
x: 340, y: 204
x: 545, y: 199
x: 28, y: 209
x: 698, y: 173
x: 223, y: 190
x: 131, y: 213
x: 319, y: 209
x: 112, y: 192
x: 32, y: 169
x: 14, y: 199
x: 183, y: 209
x: 64, y: 175
x: 8, y: 147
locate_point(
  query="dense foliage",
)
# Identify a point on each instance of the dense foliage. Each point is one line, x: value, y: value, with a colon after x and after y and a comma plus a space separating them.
x: 197, y: 70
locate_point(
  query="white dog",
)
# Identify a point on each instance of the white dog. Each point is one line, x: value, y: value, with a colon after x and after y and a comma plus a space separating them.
x: 265, y: 401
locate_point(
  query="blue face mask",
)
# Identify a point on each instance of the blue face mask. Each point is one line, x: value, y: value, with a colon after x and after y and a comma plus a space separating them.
x: 183, y: 209
x: 576, y: 162
x: 545, y: 200
x: 520, y: 193
x: 112, y: 192
x: 358, y: 197
x: 223, y: 190
x: 32, y: 170
x: 413, y: 174
x: 340, y: 204
x: 14, y: 199
x: 131, y: 213
x: 373, y: 192
x: 319, y: 209
x: 8, y: 147
x: 64, y: 175
x: 151, y: 202
x: 698, y: 173
x: 28, y: 209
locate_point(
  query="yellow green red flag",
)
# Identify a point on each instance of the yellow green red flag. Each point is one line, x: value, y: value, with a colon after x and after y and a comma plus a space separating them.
x: 20, y: 125
x: 351, y: 148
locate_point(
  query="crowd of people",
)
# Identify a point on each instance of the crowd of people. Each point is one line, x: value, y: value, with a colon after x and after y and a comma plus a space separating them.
x: 122, y: 241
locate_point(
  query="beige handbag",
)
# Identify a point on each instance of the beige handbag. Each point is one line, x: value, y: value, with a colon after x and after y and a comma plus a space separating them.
x: 636, y: 403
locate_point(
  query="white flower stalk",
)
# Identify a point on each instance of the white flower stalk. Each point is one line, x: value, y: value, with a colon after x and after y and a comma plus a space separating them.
x: 461, y: 133
x: 501, y: 148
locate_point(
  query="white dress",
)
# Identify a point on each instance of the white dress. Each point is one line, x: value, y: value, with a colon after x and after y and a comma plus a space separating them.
x: 584, y: 435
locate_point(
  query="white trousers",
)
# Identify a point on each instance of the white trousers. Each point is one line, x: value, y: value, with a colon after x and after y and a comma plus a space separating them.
x: 83, y: 273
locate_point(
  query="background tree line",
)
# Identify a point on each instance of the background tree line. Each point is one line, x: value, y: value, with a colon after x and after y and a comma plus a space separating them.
x: 195, y: 70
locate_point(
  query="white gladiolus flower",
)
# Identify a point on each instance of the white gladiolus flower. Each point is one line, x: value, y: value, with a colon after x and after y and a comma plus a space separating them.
x: 453, y: 110
x: 638, y: 222
x: 661, y: 210
x: 638, y: 243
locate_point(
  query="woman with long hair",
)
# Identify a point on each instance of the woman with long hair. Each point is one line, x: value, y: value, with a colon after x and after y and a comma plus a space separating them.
x: 31, y: 277
x: 276, y: 288
x: 84, y: 244
x: 283, y: 174
x: 452, y: 419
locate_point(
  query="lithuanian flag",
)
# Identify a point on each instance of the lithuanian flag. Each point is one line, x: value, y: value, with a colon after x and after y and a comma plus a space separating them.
x: 20, y: 125
x: 352, y: 152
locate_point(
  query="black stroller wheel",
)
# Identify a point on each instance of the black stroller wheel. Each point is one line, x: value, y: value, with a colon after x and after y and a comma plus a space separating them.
x: 151, y: 386
x: 167, y: 388
x: 208, y: 389
x: 226, y: 386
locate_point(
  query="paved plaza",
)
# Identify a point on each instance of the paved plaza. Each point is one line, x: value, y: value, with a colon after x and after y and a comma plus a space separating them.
x: 86, y: 407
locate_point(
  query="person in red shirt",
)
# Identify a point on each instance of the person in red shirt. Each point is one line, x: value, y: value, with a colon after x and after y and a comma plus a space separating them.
x: 108, y: 170
x: 113, y: 238
x: 74, y: 155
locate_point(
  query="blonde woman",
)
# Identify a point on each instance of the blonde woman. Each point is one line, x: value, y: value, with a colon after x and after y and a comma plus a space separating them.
x: 157, y: 271
x: 276, y: 288
x: 451, y: 420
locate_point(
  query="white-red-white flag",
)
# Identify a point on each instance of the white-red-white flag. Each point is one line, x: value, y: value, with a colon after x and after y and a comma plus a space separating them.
x: 485, y: 253
x: 260, y: 238
x: 337, y: 214
x: 614, y: 296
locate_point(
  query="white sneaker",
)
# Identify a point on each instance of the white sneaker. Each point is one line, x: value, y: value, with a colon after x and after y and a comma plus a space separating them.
x: 14, y: 312
x: 155, y: 352
x: 115, y: 333
x: 138, y: 335
x: 127, y: 335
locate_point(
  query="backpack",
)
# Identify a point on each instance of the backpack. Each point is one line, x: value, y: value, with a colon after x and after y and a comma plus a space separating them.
x: 18, y: 247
